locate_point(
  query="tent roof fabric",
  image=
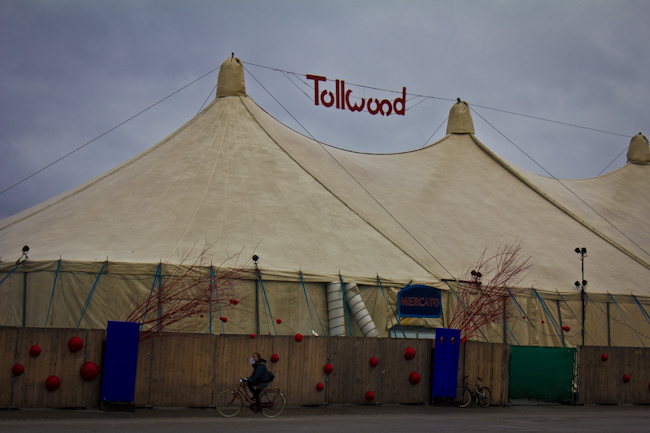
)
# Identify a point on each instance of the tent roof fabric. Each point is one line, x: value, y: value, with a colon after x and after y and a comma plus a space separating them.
x: 235, y: 177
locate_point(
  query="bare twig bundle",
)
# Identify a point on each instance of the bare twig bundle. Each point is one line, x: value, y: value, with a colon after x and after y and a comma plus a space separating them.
x: 484, y: 291
x: 194, y: 289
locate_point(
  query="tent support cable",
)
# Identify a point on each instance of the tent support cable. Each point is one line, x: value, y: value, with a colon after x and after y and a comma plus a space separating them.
x: 643, y: 311
x: 266, y: 300
x: 548, y: 313
x: 11, y: 272
x: 92, y: 292
x: 304, y: 290
x: 393, y: 311
x: 572, y: 313
x: 345, y: 303
x: 56, y: 276
x: 623, y: 316
x: 156, y: 277
x: 523, y: 315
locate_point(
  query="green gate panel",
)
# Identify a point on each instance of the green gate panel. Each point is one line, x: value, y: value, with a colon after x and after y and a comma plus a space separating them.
x: 542, y: 373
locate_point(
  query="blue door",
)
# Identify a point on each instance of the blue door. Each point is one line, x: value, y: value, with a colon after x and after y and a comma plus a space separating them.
x: 445, y: 363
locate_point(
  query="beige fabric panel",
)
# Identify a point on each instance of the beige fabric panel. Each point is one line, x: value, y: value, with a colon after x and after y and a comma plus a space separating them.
x: 441, y: 232
x: 287, y: 302
x: 629, y: 329
x: 274, y: 209
x: 616, y: 204
x: 11, y: 299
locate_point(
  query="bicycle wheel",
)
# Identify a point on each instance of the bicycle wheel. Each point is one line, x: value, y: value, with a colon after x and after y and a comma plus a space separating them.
x: 465, y: 397
x: 272, y: 402
x: 229, y: 403
x: 484, y: 396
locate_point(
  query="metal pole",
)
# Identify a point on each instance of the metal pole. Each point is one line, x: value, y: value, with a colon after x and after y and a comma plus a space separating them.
x: 582, y: 285
x: 257, y: 306
x: 24, y: 299
x: 609, y: 329
x: 257, y: 295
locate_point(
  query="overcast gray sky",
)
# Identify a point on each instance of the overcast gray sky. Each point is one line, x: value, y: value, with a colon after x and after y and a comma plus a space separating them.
x: 72, y: 70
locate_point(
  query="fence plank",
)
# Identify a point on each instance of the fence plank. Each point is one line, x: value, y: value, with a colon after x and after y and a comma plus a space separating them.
x: 8, y: 341
x: 142, y: 395
x: 489, y: 361
x: 182, y: 370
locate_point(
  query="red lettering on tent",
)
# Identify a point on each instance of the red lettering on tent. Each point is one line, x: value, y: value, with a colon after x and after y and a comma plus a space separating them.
x: 341, y: 98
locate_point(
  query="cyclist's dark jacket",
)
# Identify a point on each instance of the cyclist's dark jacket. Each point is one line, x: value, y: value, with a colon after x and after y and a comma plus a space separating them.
x: 260, y: 373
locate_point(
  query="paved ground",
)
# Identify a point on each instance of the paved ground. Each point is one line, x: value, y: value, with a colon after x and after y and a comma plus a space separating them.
x: 357, y: 419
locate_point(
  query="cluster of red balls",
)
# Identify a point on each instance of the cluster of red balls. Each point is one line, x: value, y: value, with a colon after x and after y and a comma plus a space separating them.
x: 626, y: 377
x: 409, y: 353
x: 88, y: 371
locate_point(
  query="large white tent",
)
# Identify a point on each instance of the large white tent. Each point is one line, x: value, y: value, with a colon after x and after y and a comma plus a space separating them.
x: 235, y: 178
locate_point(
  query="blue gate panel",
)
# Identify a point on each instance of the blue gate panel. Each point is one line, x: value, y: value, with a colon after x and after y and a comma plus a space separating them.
x: 120, y: 361
x: 445, y: 363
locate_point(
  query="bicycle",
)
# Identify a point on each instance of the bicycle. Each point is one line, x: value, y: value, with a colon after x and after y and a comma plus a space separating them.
x: 270, y: 403
x: 482, y: 394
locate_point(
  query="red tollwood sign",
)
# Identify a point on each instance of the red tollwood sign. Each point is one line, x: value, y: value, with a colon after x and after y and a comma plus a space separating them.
x: 341, y: 98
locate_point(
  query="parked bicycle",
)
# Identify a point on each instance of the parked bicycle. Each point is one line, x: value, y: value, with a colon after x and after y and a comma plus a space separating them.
x: 230, y: 402
x: 481, y: 394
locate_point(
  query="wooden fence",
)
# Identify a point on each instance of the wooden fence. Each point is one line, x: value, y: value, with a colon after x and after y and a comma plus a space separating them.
x: 189, y: 370
x: 490, y: 362
x: 601, y: 379
x: 55, y: 359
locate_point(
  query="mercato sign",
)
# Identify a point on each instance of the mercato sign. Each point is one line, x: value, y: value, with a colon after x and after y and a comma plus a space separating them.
x: 341, y: 98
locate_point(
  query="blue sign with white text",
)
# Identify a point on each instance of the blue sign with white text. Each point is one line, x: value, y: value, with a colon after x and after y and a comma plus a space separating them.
x: 419, y: 301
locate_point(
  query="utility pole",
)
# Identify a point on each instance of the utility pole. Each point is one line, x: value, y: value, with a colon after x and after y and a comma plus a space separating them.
x: 257, y: 295
x: 582, y: 284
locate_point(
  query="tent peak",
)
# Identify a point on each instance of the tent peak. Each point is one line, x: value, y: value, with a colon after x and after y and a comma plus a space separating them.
x: 231, y: 78
x: 460, y: 119
x: 639, y: 150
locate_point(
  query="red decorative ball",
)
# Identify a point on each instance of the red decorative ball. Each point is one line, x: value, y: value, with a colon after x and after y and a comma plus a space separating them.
x: 566, y: 328
x: 275, y: 357
x: 75, y: 344
x: 409, y: 353
x: 234, y: 301
x: 626, y: 378
x: 17, y: 369
x: 542, y: 321
x: 328, y: 368
x: 523, y: 317
x: 374, y: 362
x: 370, y: 396
x: 414, y: 378
x: 89, y: 370
x: 604, y: 357
x: 34, y: 351
x: 52, y: 383
x: 223, y: 319
x: 298, y: 338
x: 278, y: 321
x: 252, y: 336
x: 320, y: 386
